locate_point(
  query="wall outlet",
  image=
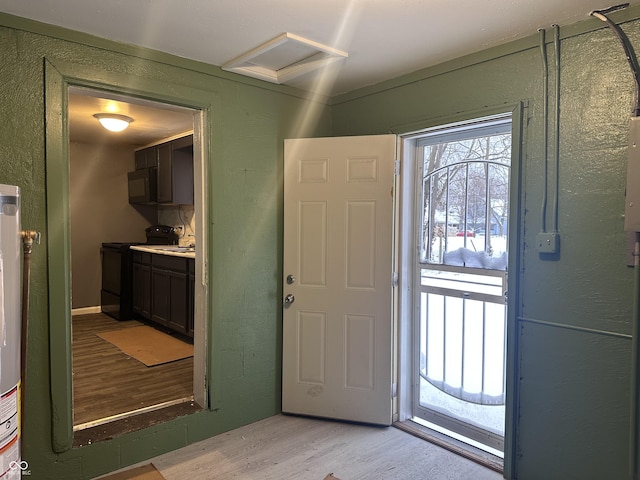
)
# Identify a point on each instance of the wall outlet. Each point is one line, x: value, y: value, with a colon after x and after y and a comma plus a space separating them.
x: 548, y: 242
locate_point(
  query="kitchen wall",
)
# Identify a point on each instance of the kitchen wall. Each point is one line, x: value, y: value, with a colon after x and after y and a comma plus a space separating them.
x: 179, y: 216
x: 99, y: 212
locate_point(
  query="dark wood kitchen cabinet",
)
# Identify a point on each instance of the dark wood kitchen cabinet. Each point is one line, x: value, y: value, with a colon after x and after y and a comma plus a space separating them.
x: 191, y: 298
x: 142, y: 284
x: 170, y: 292
x: 175, y: 171
x: 163, y: 290
x: 146, y: 158
x: 173, y: 163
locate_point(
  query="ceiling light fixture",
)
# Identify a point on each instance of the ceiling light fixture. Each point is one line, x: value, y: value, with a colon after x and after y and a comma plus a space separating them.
x: 113, y: 122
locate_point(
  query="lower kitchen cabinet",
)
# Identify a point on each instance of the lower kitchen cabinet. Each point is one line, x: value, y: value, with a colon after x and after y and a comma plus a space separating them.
x: 170, y: 292
x: 142, y: 284
x: 191, y: 298
x: 169, y: 299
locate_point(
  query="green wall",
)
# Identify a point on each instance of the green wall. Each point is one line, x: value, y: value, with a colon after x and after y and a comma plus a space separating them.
x: 246, y: 123
x: 571, y: 311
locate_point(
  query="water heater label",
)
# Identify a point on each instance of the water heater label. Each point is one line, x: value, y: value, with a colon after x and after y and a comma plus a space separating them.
x: 9, y: 434
x: 8, y: 415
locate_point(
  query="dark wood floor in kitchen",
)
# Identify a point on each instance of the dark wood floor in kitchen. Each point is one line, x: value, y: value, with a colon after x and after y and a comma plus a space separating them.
x: 107, y: 382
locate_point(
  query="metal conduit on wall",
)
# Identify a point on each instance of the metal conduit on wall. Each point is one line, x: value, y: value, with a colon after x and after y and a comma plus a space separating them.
x: 548, y: 241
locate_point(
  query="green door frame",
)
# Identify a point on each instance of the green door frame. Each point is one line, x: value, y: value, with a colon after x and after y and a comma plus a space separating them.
x: 59, y: 76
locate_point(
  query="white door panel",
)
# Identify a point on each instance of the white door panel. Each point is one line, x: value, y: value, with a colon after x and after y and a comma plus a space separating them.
x: 337, y: 333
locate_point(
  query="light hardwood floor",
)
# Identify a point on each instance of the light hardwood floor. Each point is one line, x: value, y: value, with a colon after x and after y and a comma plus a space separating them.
x: 107, y: 382
x: 287, y: 447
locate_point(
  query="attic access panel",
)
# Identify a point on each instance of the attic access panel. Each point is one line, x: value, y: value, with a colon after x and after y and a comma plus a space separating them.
x: 283, y: 58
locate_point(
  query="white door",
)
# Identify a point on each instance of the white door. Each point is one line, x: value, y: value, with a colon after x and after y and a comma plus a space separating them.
x: 337, y: 264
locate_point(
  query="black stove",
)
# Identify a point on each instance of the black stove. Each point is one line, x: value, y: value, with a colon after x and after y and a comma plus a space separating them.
x: 161, y: 235
x: 116, y: 296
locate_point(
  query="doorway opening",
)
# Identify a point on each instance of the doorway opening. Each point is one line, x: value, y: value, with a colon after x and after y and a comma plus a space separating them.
x: 458, y: 239
x: 109, y: 384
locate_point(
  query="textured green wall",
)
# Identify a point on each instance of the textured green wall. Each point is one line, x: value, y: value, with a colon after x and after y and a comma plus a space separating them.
x: 573, y: 309
x: 248, y: 122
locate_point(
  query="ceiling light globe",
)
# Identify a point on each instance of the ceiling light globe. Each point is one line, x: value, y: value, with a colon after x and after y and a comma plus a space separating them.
x: 113, y: 122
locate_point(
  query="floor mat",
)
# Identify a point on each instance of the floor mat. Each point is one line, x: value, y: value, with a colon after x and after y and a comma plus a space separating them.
x: 146, y: 472
x: 148, y: 345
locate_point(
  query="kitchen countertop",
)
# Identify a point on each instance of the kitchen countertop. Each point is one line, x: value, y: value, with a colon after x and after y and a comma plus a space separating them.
x: 172, y: 250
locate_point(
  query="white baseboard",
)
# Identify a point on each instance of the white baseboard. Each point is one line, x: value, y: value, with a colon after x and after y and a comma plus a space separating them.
x: 85, y: 310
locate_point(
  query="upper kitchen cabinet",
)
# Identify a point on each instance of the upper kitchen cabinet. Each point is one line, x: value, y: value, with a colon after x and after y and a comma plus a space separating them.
x: 175, y: 171
x: 146, y: 158
x: 172, y: 166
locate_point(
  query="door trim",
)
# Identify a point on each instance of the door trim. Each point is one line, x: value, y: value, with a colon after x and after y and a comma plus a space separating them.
x: 59, y: 76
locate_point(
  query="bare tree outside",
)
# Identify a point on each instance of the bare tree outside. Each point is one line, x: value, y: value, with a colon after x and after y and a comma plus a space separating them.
x: 465, y: 196
x: 463, y: 205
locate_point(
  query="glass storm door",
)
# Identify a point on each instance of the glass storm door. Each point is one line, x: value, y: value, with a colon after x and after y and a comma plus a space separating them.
x: 462, y: 199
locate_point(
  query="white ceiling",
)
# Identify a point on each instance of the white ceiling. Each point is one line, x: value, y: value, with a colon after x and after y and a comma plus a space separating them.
x: 152, y: 122
x: 383, y: 38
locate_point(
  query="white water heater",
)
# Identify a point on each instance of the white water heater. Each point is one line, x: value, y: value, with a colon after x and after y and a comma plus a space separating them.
x: 11, y: 465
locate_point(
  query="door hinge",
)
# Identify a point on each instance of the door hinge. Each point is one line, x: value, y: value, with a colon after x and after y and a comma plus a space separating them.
x: 396, y: 167
x: 394, y: 279
x: 394, y: 390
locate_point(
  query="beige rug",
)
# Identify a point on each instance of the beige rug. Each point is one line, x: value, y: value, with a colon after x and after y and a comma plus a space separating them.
x: 148, y: 345
x: 146, y: 472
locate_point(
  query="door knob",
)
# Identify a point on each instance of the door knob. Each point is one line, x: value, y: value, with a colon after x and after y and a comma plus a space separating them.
x: 289, y: 299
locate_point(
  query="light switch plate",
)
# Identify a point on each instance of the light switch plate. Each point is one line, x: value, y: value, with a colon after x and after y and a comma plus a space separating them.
x: 548, y: 242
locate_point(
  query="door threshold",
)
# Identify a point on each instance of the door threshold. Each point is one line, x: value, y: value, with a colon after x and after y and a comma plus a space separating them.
x: 458, y: 447
x: 131, y: 413
x: 110, y: 427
